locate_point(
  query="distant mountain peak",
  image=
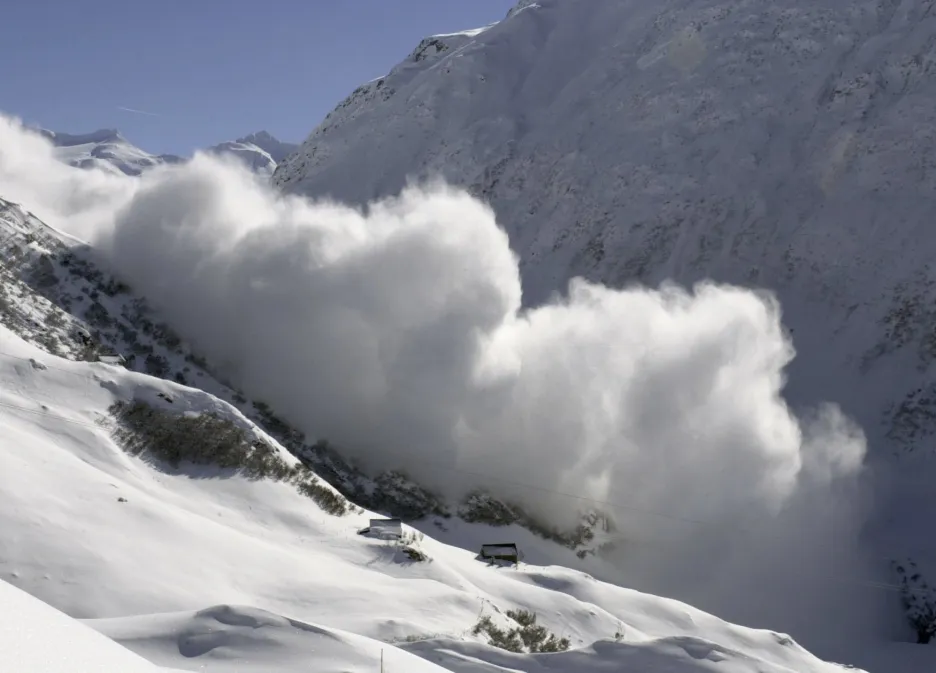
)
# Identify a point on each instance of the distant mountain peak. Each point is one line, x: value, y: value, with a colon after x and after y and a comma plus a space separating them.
x: 109, y: 150
x: 72, y: 139
x: 266, y: 141
x: 258, y: 137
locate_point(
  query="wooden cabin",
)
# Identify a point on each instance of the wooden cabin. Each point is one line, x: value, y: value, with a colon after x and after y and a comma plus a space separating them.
x: 501, y: 552
x: 386, y: 528
x: 112, y: 359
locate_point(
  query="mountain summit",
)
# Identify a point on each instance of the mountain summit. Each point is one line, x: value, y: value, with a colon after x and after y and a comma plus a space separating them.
x: 277, y: 149
x: 105, y: 149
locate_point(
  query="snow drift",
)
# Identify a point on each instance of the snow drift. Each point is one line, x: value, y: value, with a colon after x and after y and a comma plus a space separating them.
x: 35, y: 637
x: 396, y: 332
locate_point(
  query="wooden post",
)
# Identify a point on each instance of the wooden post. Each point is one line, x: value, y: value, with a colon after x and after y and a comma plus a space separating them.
x: 381, y: 660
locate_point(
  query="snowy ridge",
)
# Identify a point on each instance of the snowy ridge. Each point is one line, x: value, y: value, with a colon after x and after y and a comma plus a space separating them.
x: 109, y: 150
x: 260, y: 152
x: 256, y: 159
x: 277, y: 149
x: 212, y: 538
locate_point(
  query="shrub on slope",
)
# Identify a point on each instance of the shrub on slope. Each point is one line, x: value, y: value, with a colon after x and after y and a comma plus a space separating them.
x: 527, y: 636
x: 208, y: 439
x: 919, y: 600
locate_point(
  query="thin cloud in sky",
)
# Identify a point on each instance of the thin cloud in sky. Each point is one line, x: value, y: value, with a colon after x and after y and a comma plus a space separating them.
x: 139, y: 112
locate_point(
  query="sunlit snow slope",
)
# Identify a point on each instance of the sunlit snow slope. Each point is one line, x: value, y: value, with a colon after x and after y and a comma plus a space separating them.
x: 99, y: 534
x: 36, y: 638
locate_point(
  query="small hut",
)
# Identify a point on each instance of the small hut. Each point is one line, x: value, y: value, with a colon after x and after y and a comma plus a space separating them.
x: 501, y: 552
x: 112, y: 359
x: 386, y: 528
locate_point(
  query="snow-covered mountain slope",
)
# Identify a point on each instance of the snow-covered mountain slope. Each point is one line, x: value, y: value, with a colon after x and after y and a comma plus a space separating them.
x: 108, y: 150
x: 391, y: 272
x: 783, y: 146
x: 100, y: 530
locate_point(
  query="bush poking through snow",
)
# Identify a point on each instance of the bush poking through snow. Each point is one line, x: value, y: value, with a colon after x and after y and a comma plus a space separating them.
x: 408, y: 545
x: 527, y: 636
x: 919, y: 599
x: 325, y: 497
x: 414, y: 554
x: 208, y: 439
x: 481, y: 507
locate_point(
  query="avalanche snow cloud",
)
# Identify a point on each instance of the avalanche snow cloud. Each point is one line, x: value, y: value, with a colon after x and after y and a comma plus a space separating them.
x: 396, y: 332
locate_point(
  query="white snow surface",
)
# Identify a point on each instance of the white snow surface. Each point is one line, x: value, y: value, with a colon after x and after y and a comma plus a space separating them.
x: 200, y: 570
x: 36, y: 638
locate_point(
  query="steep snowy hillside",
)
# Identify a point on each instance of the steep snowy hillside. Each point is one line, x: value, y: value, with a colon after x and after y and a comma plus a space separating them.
x: 108, y: 150
x: 116, y: 506
x: 39, y: 639
x: 785, y: 146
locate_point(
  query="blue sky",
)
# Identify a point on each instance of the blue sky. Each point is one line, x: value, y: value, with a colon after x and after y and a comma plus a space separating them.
x: 211, y: 70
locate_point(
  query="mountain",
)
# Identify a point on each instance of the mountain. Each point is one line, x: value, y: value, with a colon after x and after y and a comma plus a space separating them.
x: 163, y: 518
x: 277, y: 149
x: 783, y: 146
x: 259, y: 151
x: 107, y: 149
